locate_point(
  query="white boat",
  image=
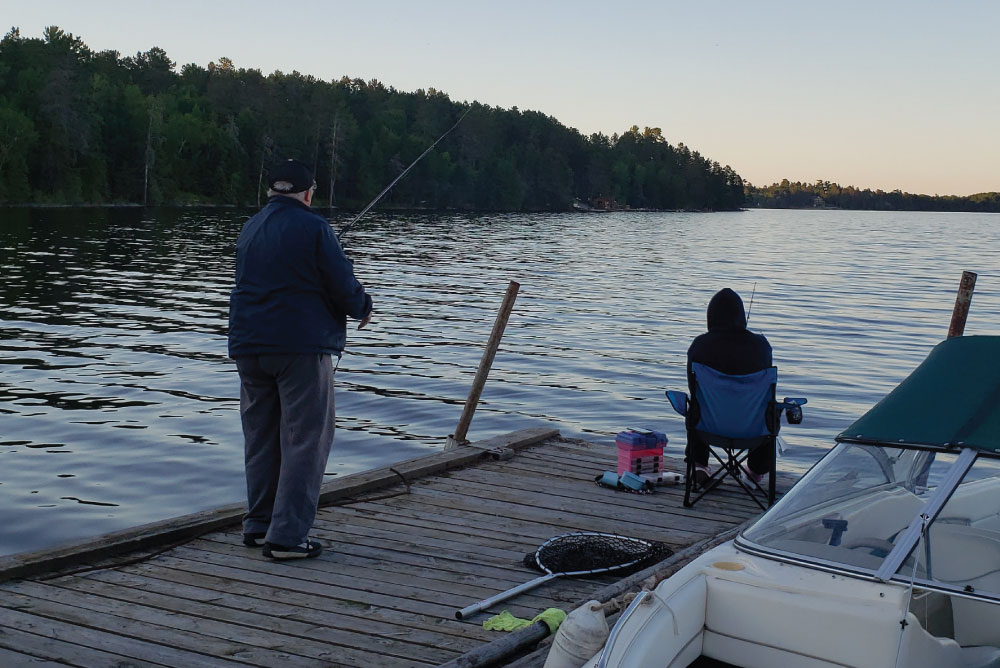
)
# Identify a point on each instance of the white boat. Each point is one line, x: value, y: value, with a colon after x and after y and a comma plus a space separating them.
x: 885, y: 554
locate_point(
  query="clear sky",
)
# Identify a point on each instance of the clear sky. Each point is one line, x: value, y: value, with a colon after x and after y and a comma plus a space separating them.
x: 879, y: 94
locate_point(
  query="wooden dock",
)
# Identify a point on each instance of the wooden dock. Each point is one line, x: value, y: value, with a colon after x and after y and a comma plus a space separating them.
x: 407, y: 546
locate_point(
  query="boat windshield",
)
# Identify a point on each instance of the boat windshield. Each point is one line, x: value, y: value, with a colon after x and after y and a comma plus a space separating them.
x: 960, y: 549
x: 852, y: 505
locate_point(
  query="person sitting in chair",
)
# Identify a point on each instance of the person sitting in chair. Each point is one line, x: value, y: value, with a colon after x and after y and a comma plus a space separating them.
x: 730, y: 348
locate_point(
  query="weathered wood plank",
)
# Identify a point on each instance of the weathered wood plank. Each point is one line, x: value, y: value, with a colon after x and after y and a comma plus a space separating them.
x: 139, y: 586
x: 264, y: 629
x: 612, y: 504
x: 441, y: 576
x: 64, y: 652
x: 311, y: 604
x: 249, y: 645
x: 413, y: 581
x: 427, y: 541
x: 11, y: 659
x: 415, y: 515
x: 71, y: 627
x: 296, y: 581
x: 373, y: 556
x: 563, y: 516
x: 471, y: 520
x: 331, y: 573
x: 346, y: 518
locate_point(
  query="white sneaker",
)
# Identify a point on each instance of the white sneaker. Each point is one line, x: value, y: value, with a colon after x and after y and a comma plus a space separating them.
x: 749, y: 477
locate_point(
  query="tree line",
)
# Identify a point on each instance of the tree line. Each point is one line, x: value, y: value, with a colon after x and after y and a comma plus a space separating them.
x: 83, y: 126
x: 796, y: 195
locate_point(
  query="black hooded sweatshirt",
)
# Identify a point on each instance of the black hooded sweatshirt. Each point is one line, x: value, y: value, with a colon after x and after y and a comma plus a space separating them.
x: 728, y: 346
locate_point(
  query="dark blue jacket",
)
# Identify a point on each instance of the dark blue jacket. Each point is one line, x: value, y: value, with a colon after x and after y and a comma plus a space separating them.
x: 294, y: 285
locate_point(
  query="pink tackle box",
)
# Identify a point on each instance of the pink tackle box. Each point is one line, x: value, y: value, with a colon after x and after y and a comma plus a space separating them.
x: 640, y: 451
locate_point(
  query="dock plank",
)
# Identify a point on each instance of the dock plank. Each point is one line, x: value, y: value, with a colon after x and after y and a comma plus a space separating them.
x: 11, y: 659
x: 357, y: 613
x: 410, y: 582
x: 75, y: 638
x: 18, y: 648
x: 262, y: 628
x: 401, y: 558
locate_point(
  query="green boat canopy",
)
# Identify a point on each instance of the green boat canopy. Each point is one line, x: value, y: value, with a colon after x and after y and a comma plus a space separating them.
x: 951, y: 400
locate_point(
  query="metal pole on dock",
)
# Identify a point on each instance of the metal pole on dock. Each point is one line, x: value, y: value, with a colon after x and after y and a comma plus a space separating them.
x: 962, y: 303
x: 458, y: 438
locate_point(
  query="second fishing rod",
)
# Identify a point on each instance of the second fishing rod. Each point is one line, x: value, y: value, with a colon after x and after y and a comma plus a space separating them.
x: 340, y: 235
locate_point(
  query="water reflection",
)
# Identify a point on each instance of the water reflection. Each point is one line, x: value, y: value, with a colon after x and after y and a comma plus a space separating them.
x: 118, y: 404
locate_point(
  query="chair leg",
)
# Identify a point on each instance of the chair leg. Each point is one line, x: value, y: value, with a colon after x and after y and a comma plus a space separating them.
x: 688, y: 483
x: 753, y: 489
x: 773, y: 474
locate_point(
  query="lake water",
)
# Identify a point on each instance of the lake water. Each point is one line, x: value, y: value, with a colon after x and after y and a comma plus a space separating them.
x: 118, y: 405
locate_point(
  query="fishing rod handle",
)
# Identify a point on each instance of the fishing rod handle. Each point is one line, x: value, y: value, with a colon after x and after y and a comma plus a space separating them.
x: 503, y: 596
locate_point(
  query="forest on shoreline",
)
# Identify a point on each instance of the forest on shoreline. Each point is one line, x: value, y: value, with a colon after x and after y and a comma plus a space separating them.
x: 825, y: 195
x: 85, y: 127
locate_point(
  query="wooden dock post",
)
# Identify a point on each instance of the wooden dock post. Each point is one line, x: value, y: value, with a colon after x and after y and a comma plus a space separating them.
x: 962, y: 303
x: 458, y: 438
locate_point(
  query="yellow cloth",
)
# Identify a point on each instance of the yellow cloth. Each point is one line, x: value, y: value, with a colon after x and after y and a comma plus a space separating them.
x: 505, y: 621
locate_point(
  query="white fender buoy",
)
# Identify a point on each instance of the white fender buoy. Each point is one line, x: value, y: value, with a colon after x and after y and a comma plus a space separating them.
x: 581, y: 635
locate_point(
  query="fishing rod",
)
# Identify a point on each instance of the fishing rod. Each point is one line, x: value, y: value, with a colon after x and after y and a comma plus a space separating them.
x: 752, y: 292
x: 347, y: 227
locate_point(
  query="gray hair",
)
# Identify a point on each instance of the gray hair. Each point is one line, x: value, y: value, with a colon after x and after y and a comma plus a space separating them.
x: 301, y: 196
x: 282, y: 187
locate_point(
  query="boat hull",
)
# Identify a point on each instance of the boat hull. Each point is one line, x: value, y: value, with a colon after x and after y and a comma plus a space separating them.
x: 754, y: 612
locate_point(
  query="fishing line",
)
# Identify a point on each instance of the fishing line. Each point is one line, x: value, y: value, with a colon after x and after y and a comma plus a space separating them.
x: 909, y: 590
x: 341, y: 234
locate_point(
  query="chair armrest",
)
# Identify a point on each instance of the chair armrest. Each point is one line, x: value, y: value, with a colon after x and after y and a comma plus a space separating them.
x: 679, y: 401
x: 793, y: 409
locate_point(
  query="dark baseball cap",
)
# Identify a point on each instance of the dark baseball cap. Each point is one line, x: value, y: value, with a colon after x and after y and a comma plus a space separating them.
x: 290, y: 176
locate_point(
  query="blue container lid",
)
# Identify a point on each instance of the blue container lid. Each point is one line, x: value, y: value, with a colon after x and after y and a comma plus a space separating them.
x: 638, y: 438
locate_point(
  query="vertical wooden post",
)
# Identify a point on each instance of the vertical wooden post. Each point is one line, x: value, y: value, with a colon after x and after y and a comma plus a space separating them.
x: 458, y: 438
x: 962, y: 302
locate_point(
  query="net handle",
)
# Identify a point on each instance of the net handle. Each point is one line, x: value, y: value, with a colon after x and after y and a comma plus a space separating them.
x: 504, y: 595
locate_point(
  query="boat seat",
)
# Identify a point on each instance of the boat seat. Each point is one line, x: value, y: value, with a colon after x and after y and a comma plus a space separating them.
x: 980, y: 657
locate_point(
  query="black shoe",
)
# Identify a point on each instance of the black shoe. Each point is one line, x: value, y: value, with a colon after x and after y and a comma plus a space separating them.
x: 307, y: 549
x: 253, y: 539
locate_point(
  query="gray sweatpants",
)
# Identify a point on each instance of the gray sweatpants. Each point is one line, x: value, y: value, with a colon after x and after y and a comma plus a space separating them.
x: 286, y: 406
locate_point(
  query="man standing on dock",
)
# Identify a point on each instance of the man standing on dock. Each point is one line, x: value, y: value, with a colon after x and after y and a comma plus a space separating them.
x: 287, y: 319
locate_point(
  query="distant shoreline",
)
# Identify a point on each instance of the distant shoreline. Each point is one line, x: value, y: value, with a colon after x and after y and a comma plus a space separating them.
x: 408, y: 209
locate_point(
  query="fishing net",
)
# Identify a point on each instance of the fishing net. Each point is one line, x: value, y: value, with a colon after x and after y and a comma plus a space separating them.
x: 581, y: 553
x: 588, y: 552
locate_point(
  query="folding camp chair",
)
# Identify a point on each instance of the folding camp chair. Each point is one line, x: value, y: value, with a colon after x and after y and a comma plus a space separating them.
x: 735, y: 414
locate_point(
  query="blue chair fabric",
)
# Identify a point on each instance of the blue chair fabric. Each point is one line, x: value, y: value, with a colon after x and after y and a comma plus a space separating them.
x: 735, y: 414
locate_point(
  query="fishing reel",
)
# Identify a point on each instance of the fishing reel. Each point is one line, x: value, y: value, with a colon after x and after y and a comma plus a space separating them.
x: 793, y: 409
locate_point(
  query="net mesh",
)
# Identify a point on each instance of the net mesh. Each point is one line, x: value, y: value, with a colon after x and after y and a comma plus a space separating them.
x: 589, y: 552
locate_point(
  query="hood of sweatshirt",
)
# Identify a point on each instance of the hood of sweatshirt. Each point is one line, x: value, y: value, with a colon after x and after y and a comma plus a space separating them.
x: 725, y: 311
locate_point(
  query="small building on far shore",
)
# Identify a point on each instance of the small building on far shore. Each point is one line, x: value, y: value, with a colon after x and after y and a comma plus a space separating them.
x: 603, y: 203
